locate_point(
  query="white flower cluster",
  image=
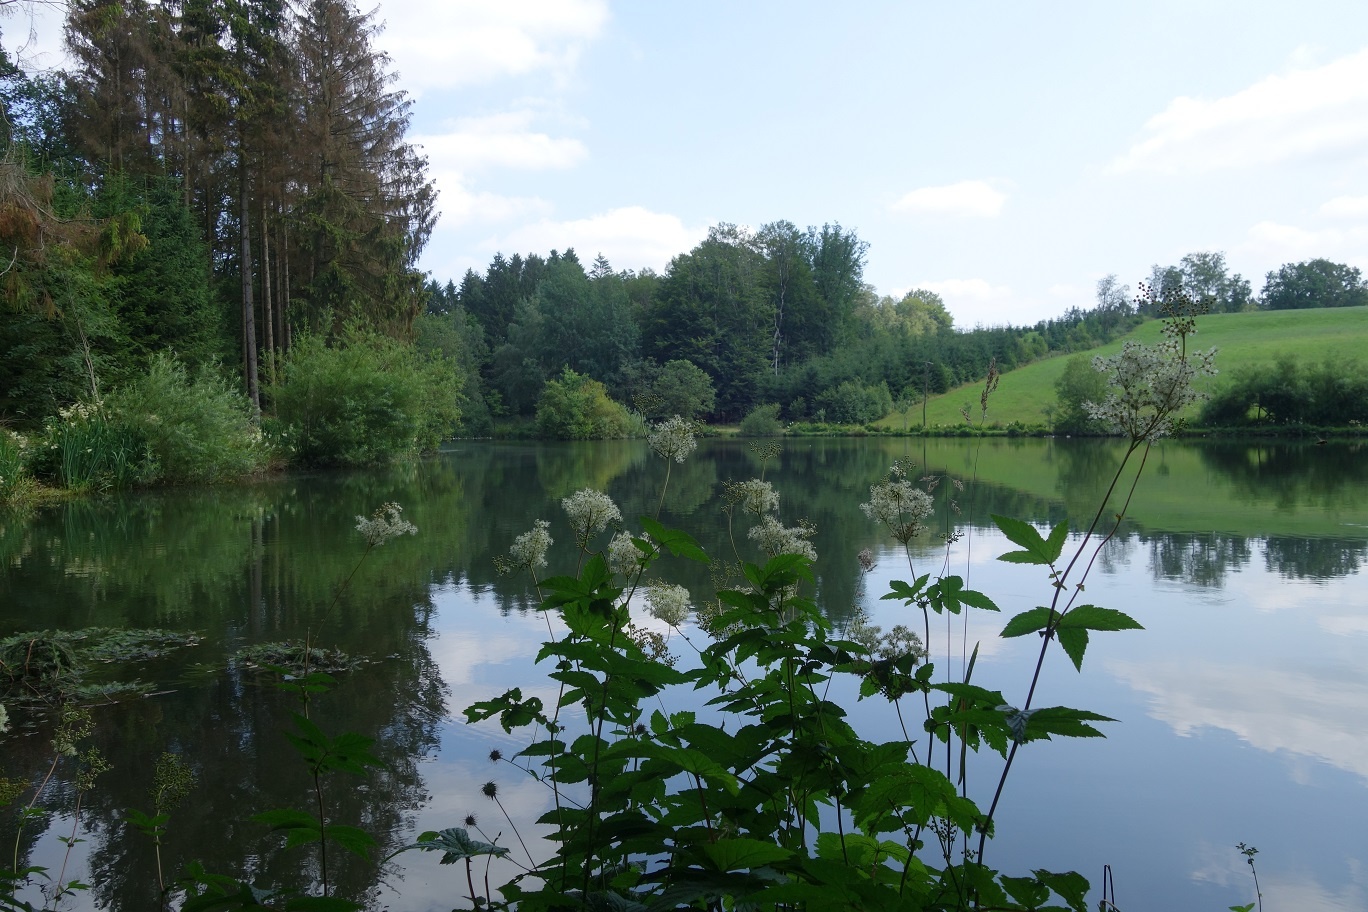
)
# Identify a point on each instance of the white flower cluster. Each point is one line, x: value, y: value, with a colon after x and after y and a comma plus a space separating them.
x: 385, y: 523
x: 774, y: 538
x: 528, y: 550
x: 1149, y: 387
x: 673, y: 439
x: 4, y: 719
x: 755, y: 496
x: 590, y: 513
x: 899, y: 505
x: 623, y: 555
x: 668, y: 603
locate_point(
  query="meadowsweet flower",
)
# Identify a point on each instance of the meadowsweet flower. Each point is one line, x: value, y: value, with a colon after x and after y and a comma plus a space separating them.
x: 4, y: 719
x: 624, y: 557
x: 754, y: 496
x: 1148, y: 387
x: 529, y: 549
x: 668, y: 603
x: 866, y: 559
x: 774, y: 538
x: 590, y: 513
x: 898, y: 505
x: 673, y: 439
x: 385, y: 523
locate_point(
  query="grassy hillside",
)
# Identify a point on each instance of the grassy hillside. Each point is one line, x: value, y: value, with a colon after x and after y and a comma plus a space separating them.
x: 1245, y: 338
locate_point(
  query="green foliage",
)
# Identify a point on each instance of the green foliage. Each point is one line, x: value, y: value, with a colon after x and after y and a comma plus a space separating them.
x: 681, y: 388
x: 365, y: 399
x: 1314, y: 283
x: 1329, y: 394
x: 194, y: 430
x: 853, y: 402
x: 574, y: 407
x: 1080, y: 383
x: 762, y: 421
x: 17, y: 485
x: 83, y: 448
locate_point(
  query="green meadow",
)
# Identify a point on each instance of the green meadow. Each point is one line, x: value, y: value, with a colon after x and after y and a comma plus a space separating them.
x: 1262, y: 337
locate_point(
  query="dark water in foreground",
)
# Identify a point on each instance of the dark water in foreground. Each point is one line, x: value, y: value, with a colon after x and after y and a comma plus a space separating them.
x: 1242, y: 708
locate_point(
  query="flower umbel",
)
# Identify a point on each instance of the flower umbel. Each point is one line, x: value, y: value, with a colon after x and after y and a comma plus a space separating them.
x: 668, y: 603
x: 624, y: 557
x: 385, y: 523
x: 528, y: 551
x: 1149, y: 386
x: 673, y: 438
x: 754, y: 496
x: 774, y: 538
x: 590, y: 513
x: 899, y: 505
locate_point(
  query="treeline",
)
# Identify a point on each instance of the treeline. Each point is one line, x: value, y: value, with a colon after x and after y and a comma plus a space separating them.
x: 211, y: 177
x: 777, y: 316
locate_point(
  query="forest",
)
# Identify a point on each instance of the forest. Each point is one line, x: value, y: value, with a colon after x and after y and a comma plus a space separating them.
x: 212, y: 222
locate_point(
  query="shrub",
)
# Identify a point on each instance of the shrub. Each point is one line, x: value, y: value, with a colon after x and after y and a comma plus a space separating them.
x: 852, y: 402
x: 576, y: 407
x: 365, y: 399
x: 192, y: 430
x: 684, y: 389
x: 763, y: 421
x: 17, y: 486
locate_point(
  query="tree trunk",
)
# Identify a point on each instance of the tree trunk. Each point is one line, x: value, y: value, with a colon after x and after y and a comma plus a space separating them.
x: 249, y: 351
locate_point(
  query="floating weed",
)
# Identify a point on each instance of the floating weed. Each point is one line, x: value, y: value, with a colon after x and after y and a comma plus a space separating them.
x: 290, y: 658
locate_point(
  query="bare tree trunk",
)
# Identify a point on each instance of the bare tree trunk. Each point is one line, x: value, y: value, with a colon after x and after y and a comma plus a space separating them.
x: 267, y: 320
x: 249, y: 351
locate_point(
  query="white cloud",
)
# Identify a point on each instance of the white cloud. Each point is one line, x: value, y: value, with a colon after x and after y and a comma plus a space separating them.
x: 448, y: 43
x: 1273, y: 243
x: 1346, y: 207
x: 966, y: 199
x: 1303, y: 713
x: 1302, y: 114
x: 505, y: 140
x: 631, y: 237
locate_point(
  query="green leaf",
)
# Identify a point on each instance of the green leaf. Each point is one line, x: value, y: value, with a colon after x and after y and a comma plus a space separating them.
x: 1027, y: 622
x: 744, y: 854
x: 455, y: 845
x: 1025, y: 535
x: 1071, y: 887
x: 1063, y: 721
x: 353, y: 839
x: 1075, y: 643
x: 898, y: 589
x: 286, y: 819
x: 1093, y: 617
x: 678, y: 543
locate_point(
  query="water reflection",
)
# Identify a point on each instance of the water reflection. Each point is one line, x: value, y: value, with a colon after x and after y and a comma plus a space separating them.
x: 1242, y: 561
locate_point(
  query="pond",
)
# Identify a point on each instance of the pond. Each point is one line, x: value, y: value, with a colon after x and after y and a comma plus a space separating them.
x: 1242, y: 707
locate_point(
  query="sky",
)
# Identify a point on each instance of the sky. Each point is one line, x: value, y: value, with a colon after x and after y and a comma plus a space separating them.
x: 1004, y: 155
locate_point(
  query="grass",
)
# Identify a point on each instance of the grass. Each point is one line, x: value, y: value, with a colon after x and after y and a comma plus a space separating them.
x: 1245, y: 338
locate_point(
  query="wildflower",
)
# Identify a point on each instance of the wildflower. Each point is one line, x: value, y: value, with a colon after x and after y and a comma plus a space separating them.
x: 471, y: 820
x: 652, y: 644
x: 866, y: 559
x: 898, y: 505
x: 1149, y: 386
x: 385, y: 523
x: 4, y: 719
x: 529, y: 549
x: 754, y: 496
x: 673, y: 439
x: 624, y: 556
x: 774, y: 538
x: 590, y: 513
x: 495, y: 755
x: 668, y: 603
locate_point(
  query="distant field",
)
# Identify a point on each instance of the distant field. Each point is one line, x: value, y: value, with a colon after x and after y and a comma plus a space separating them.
x: 1246, y: 338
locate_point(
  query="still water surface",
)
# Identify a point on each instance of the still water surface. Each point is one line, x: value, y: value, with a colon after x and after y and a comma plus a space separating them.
x: 1242, y: 707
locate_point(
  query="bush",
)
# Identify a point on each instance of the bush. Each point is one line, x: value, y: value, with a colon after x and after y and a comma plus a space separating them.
x: 192, y: 430
x: 684, y: 389
x: 365, y: 399
x: 853, y: 402
x: 17, y: 486
x: 578, y: 408
x: 83, y: 449
x: 763, y: 421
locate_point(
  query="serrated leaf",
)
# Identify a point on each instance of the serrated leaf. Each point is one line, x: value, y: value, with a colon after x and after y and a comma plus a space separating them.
x: 1094, y: 617
x: 353, y: 839
x: 742, y: 854
x: 455, y: 845
x: 1075, y: 643
x: 1071, y: 887
x: 1054, y: 545
x: 1027, y: 622
x: 678, y: 543
x: 286, y: 819
x: 1037, y: 551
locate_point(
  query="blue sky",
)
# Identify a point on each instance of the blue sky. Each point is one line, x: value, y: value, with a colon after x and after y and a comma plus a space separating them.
x: 1005, y: 155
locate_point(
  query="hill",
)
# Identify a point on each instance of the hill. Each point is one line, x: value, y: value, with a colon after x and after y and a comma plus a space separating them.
x: 1243, y: 338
